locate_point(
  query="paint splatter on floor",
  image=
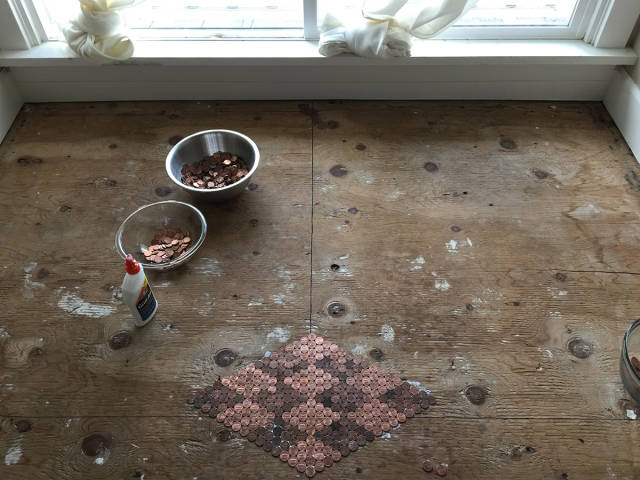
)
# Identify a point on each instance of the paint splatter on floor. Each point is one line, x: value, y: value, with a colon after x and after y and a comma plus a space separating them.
x: 31, y: 287
x: 74, y: 305
x: 13, y: 455
x: 279, y: 334
x: 387, y: 333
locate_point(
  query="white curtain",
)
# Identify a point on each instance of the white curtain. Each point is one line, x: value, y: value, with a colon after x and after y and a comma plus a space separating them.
x: 387, y: 27
x: 96, y: 33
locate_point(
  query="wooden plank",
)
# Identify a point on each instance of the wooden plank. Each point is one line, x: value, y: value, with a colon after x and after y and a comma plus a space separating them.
x: 246, y: 290
x: 511, y: 351
x: 479, y: 180
x: 478, y: 245
x: 189, y: 447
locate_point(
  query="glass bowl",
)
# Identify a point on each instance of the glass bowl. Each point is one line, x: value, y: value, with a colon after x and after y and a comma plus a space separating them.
x: 630, y: 355
x: 139, y: 228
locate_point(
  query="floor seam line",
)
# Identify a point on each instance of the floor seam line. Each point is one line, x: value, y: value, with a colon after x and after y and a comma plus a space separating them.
x: 312, y: 215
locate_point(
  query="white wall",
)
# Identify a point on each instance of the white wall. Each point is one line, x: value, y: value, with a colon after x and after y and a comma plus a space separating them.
x: 634, y: 70
x: 623, y: 99
x: 10, y: 101
x: 402, y: 82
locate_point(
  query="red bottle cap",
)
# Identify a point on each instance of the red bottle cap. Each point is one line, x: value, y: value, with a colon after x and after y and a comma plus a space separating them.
x: 131, y: 265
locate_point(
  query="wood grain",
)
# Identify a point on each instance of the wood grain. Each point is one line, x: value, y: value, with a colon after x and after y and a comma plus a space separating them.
x: 179, y: 448
x: 476, y: 246
x: 246, y: 278
x: 471, y: 245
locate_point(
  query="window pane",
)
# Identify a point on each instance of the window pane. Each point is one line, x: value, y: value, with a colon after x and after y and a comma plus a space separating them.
x: 485, y: 13
x: 519, y: 13
x: 230, y: 14
x: 55, y: 15
x: 192, y: 18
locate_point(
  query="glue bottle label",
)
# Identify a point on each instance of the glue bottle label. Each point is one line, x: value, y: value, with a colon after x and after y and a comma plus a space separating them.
x: 146, y: 303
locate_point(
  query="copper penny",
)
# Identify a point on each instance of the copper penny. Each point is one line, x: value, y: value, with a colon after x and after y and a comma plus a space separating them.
x: 308, y: 403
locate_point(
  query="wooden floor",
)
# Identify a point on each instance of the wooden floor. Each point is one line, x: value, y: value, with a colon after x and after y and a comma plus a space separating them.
x: 486, y: 250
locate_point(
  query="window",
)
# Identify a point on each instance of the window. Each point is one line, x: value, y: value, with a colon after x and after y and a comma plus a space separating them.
x: 548, y: 13
x: 502, y: 19
x: 207, y: 19
x: 296, y: 19
x: 524, y: 19
x: 194, y: 19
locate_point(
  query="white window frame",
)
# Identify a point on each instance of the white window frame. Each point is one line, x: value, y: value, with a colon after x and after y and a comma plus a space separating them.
x: 602, y: 23
x: 20, y: 26
x: 612, y: 23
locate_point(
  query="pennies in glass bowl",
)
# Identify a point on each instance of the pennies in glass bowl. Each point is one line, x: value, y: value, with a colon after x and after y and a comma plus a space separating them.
x: 167, y: 245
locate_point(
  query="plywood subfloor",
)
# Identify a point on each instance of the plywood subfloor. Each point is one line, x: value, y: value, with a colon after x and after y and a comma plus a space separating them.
x: 487, y: 250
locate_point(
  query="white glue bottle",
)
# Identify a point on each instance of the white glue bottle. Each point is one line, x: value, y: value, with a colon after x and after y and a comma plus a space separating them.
x: 137, y: 294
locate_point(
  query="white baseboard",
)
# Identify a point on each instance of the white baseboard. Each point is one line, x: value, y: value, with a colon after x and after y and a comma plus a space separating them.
x: 10, y: 102
x: 291, y: 82
x: 622, y: 100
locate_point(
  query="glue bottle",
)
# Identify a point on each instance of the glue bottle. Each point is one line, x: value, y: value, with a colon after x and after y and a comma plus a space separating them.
x: 137, y: 294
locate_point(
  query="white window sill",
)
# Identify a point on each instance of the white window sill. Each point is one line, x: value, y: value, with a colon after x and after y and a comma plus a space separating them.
x: 299, y: 52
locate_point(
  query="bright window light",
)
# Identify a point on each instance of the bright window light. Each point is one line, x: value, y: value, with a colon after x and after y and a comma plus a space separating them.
x: 519, y: 13
x: 204, y: 19
x: 231, y: 18
x: 195, y: 19
x: 488, y: 13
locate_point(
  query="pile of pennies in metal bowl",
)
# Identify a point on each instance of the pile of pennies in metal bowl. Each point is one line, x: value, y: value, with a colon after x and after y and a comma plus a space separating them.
x: 167, y: 245
x: 216, y: 171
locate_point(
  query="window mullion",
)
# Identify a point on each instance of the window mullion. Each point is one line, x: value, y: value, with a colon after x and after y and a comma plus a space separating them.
x: 310, y: 9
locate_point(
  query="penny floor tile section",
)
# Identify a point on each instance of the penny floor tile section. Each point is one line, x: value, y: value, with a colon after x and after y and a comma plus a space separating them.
x: 311, y: 403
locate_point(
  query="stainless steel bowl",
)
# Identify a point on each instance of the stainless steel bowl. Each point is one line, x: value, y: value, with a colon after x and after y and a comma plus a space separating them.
x: 203, y: 144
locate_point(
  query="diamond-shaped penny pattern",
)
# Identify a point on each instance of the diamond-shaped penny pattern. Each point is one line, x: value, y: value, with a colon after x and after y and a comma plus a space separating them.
x: 311, y: 403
